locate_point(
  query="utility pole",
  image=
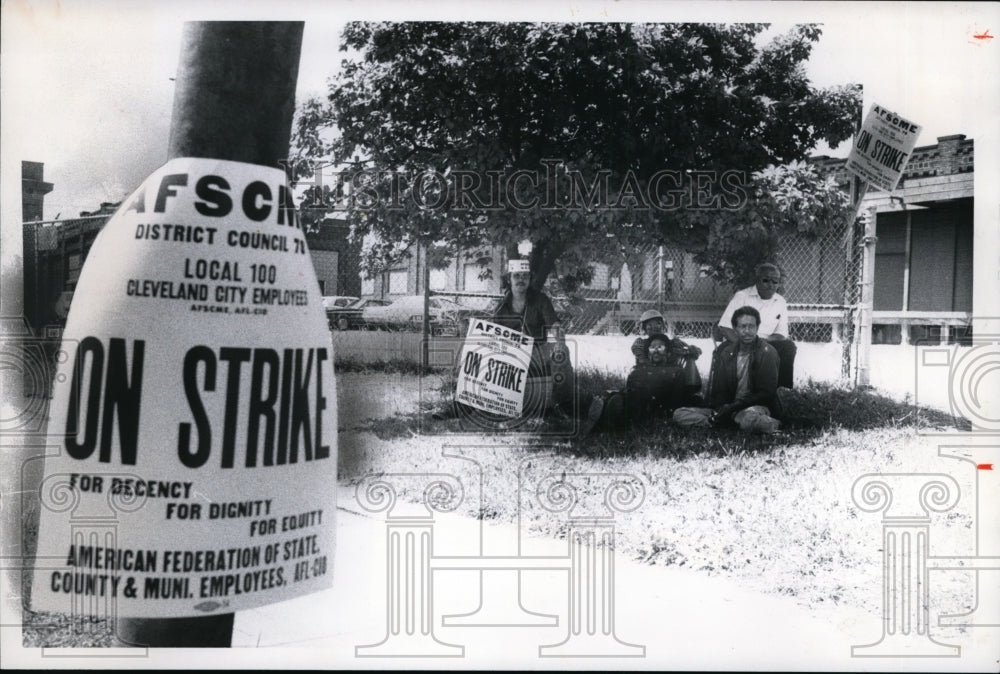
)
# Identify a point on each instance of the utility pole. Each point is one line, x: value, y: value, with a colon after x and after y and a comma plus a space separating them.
x: 234, y: 101
x: 426, y: 323
x: 867, y: 299
x: 866, y: 282
x: 659, y: 279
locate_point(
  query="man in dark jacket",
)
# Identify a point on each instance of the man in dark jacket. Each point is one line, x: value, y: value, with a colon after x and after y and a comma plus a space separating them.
x: 773, y: 310
x: 744, y: 383
x: 654, y: 389
x: 660, y: 384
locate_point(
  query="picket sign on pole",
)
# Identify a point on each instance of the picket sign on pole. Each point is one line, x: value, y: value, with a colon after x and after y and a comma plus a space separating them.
x: 878, y: 157
x: 192, y: 431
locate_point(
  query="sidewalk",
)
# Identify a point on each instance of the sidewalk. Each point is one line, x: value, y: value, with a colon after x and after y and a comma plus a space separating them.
x: 682, y: 619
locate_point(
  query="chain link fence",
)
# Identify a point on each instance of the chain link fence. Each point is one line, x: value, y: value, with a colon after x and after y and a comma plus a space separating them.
x: 820, y: 282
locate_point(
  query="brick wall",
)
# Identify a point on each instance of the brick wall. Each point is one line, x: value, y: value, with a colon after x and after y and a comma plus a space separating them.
x: 951, y: 155
x: 325, y: 264
x: 333, y: 236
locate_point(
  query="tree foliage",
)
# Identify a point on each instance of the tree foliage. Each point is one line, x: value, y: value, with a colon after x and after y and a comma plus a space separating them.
x: 787, y: 200
x: 584, y: 138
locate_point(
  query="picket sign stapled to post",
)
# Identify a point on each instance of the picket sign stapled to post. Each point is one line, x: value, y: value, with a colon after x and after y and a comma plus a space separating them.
x: 882, y: 148
x: 878, y: 157
x: 493, y: 369
x: 192, y: 436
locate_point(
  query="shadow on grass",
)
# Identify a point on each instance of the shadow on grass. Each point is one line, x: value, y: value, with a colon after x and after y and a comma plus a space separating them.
x: 811, y: 411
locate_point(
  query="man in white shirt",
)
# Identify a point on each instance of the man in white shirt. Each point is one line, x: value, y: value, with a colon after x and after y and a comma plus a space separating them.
x: 773, y: 311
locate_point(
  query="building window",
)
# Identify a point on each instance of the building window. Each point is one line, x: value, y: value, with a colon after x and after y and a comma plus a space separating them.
x: 438, y: 279
x: 473, y: 283
x: 397, y: 282
x: 599, y: 279
x: 890, y: 262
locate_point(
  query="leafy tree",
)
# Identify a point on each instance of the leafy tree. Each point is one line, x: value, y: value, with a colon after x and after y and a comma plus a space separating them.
x: 584, y: 138
x: 792, y: 199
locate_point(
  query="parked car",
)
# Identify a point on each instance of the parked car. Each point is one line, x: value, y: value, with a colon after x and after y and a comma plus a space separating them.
x: 338, y: 301
x: 406, y: 313
x: 349, y: 317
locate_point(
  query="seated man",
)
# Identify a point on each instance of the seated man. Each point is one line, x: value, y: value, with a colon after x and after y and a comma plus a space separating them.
x: 744, y: 384
x: 654, y: 389
x: 679, y: 353
x: 773, y: 311
x: 652, y: 324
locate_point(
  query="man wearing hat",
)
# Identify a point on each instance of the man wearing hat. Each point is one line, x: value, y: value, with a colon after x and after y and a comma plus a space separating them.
x: 654, y: 389
x: 530, y: 311
x: 652, y: 324
x: 665, y: 375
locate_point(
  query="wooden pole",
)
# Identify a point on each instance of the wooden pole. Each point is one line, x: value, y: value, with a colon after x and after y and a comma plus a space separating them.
x: 863, y: 335
x: 426, y: 280
x: 867, y: 300
x: 659, y: 280
x: 235, y: 92
x: 235, y: 99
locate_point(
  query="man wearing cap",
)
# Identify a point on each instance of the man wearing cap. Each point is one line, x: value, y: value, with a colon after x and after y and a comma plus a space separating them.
x: 681, y: 356
x: 773, y: 311
x: 665, y: 376
x: 652, y: 324
x: 654, y: 389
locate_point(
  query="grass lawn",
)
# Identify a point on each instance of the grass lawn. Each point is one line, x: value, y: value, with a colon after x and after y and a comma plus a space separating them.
x: 773, y: 513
